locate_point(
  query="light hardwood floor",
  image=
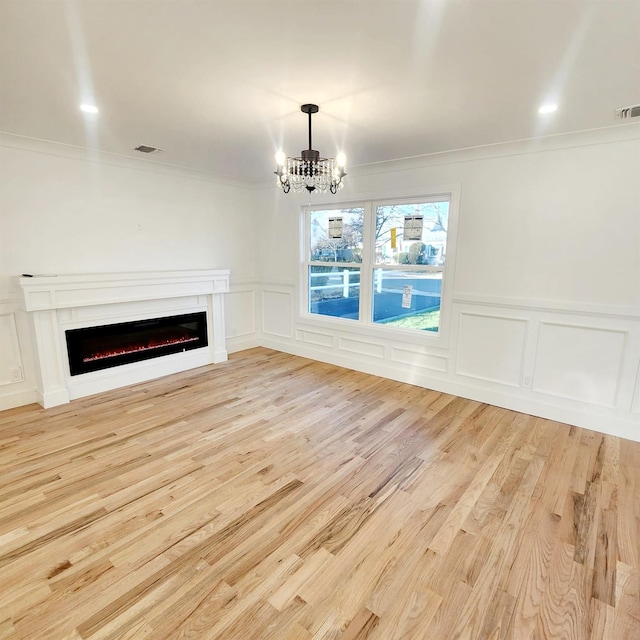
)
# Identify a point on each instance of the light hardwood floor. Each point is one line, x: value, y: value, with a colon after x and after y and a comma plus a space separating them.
x: 278, y: 498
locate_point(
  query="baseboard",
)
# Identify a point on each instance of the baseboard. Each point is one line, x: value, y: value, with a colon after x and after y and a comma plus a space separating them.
x: 18, y: 399
x: 53, y: 398
x: 240, y: 343
x: 586, y: 416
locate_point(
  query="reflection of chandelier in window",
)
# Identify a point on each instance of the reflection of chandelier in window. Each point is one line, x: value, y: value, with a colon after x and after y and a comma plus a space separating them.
x: 310, y: 171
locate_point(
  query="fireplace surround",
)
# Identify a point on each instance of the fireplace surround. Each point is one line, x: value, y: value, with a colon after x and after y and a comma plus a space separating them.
x: 58, y: 306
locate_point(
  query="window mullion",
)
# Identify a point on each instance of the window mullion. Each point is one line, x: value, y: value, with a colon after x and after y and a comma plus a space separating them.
x: 305, y: 259
x: 368, y: 257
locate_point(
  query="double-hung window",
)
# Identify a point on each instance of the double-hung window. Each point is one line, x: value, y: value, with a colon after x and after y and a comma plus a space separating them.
x: 334, y: 264
x: 378, y: 263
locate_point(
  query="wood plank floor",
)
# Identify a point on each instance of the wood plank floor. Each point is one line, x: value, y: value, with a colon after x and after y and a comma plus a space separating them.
x: 273, y: 497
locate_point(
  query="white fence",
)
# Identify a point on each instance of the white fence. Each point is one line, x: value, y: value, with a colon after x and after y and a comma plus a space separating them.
x: 342, y: 281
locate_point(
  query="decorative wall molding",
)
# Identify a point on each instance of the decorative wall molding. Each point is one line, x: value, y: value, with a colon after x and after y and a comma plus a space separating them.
x: 420, y: 358
x: 407, y: 337
x: 415, y: 362
x: 491, y: 347
x: 11, y: 367
x: 276, y: 312
x: 579, y: 362
x: 606, y: 135
x: 496, y: 351
x: 240, y: 312
x: 315, y: 337
x: 551, y: 306
x: 277, y: 284
x: 71, y: 152
x: 361, y: 347
x: 598, y: 419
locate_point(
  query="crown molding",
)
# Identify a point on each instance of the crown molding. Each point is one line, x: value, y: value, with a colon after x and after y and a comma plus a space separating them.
x: 71, y: 152
x: 619, y: 133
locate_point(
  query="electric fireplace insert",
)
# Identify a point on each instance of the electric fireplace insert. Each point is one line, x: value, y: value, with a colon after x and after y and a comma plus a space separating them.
x: 112, y: 345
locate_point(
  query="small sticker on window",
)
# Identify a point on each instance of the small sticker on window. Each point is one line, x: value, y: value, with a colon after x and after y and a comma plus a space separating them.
x: 406, y: 296
x: 413, y: 227
x: 335, y: 228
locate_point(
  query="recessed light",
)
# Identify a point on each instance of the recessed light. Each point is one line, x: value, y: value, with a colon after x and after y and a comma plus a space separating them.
x: 89, y: 108
x: 547, y: 108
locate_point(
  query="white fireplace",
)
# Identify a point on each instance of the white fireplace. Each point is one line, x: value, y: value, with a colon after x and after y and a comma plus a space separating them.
x: 56, y: 304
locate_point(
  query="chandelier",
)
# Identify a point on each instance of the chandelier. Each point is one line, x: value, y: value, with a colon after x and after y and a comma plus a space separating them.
x: 310, y: 171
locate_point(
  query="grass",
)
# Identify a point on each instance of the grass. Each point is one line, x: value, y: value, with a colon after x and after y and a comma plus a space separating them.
x: 425, y: 320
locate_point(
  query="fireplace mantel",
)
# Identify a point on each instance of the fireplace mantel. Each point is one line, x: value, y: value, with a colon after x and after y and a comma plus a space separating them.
x: 57, y: 303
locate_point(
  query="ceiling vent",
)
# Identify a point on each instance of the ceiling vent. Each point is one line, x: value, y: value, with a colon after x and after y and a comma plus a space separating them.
x: 626, y: 113
x: 145, y: 148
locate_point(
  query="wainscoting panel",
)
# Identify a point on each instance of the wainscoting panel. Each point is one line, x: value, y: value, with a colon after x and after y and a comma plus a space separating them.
x: 16, y: 371
x: 361, y: 347
x: 240, y: 313
x: 315, y: 337
x: 579, y: 362
x: 574, y: 365
x: 276, y: 313
x: 11, y: 371
x: 491, y: 348
x: 416, y: 357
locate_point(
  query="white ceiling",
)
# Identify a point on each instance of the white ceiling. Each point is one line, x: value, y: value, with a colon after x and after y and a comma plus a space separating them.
x: 218, y: 84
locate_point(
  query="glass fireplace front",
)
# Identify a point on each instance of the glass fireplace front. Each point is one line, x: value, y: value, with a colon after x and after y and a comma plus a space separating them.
x: 112, y: 345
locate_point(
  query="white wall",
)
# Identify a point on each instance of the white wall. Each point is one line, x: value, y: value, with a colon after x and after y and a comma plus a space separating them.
x: 546, y: 295
x: 65, y: 210
x: 545, y: 304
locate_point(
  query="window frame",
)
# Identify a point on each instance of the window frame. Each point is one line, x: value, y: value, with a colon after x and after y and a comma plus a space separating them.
x: 365, y: 323
x: 307, y: 262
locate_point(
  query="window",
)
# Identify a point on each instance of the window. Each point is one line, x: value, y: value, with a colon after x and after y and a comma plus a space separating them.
x: 378, y: 263
x: 410, y: 249
x: 335, y: 256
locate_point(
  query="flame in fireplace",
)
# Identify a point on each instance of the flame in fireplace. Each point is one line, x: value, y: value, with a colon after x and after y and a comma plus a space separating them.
x: 151, y: 344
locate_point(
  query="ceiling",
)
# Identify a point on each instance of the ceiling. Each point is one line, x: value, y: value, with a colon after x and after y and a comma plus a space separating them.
x: 218, y: 84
